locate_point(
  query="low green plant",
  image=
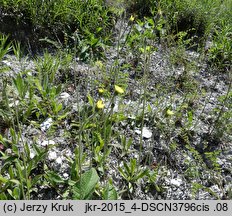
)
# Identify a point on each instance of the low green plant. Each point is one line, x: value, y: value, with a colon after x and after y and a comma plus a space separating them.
x: 35, y: 96
x: 151, y: 180
x: 5, y: 48
x: 132, y: 173
x: 178, y: 57
x: 220, y: 53
x: 222, y: 124
x: 101, y: 152
x: 196, y: 187
x: 109, y: 192
x: 18, y: 176
x: 82, y: 181
x: 140, y: 42
x: 124, y: 145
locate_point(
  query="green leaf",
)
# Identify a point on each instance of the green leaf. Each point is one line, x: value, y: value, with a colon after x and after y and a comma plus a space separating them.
x: 141, y: 175
x: 15, y: 181
x: 54, y: 178
x: 149, y: 109
x: 30, y: 166
x: 190, y: 117
x: 3, y: 180
x: 5, y: 47
x: 57, y: 108
x: 36, y: 179
x: 58, y: 89
x: 84, y: 48
x: 11, y: 171
x: 40, y: 154
x: 99, y: 139
x: 20, y: 170
x: 3, y: 196
x: 109, y: 193
x: 94, y: 41
x: 123, y: 174
x: 60, y: 117
x: 10, y: 192
x: 84, y: 188
x: 126, y: 168
x: 38, y: 85
x: 133, y: 166
x: 27, y: 150
x: 21, y: 86
x: 16, y: 193
x: 91, y: 100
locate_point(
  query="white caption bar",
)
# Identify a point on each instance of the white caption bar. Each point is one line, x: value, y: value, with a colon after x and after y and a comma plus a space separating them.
x: 130, y: 207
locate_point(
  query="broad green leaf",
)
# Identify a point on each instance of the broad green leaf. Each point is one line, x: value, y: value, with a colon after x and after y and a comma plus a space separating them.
x: 84, y: 188
x: 16, y: 193
x: 109, y: 193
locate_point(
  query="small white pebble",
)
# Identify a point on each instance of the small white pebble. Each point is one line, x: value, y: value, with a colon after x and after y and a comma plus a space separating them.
x: 46, y: 124
x: 147, y: 133
x: 52, y: 155
x: 59, y: 160
x: 176, y: 182
x: 64, y: 95
x: 65, y: 175
x: 32, y: 155
x: 47, y: 142
x: 13, y: 104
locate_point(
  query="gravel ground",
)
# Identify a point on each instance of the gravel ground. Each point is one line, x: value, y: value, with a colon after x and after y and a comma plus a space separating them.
x: 172, y: 181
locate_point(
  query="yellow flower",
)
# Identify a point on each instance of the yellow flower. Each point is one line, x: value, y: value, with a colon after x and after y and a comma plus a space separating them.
x: 100, y: 104
x: 99, y: 64
x: 148, y: 48
x: 101, y: 90
x: 169, y: 112
x: 142, y: 50
x: 132, y: 18
x: 118, y: 89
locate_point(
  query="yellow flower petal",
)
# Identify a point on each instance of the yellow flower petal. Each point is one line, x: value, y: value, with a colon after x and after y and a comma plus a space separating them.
x: 118, y: 89
x: 169, y: 112
x: 101, y: 90
x: 100, y: 104
x: 132, y: 18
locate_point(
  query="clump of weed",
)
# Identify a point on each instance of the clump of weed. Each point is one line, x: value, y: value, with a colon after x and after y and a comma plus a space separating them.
x: 141, y: 7
x: 84, y: 24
